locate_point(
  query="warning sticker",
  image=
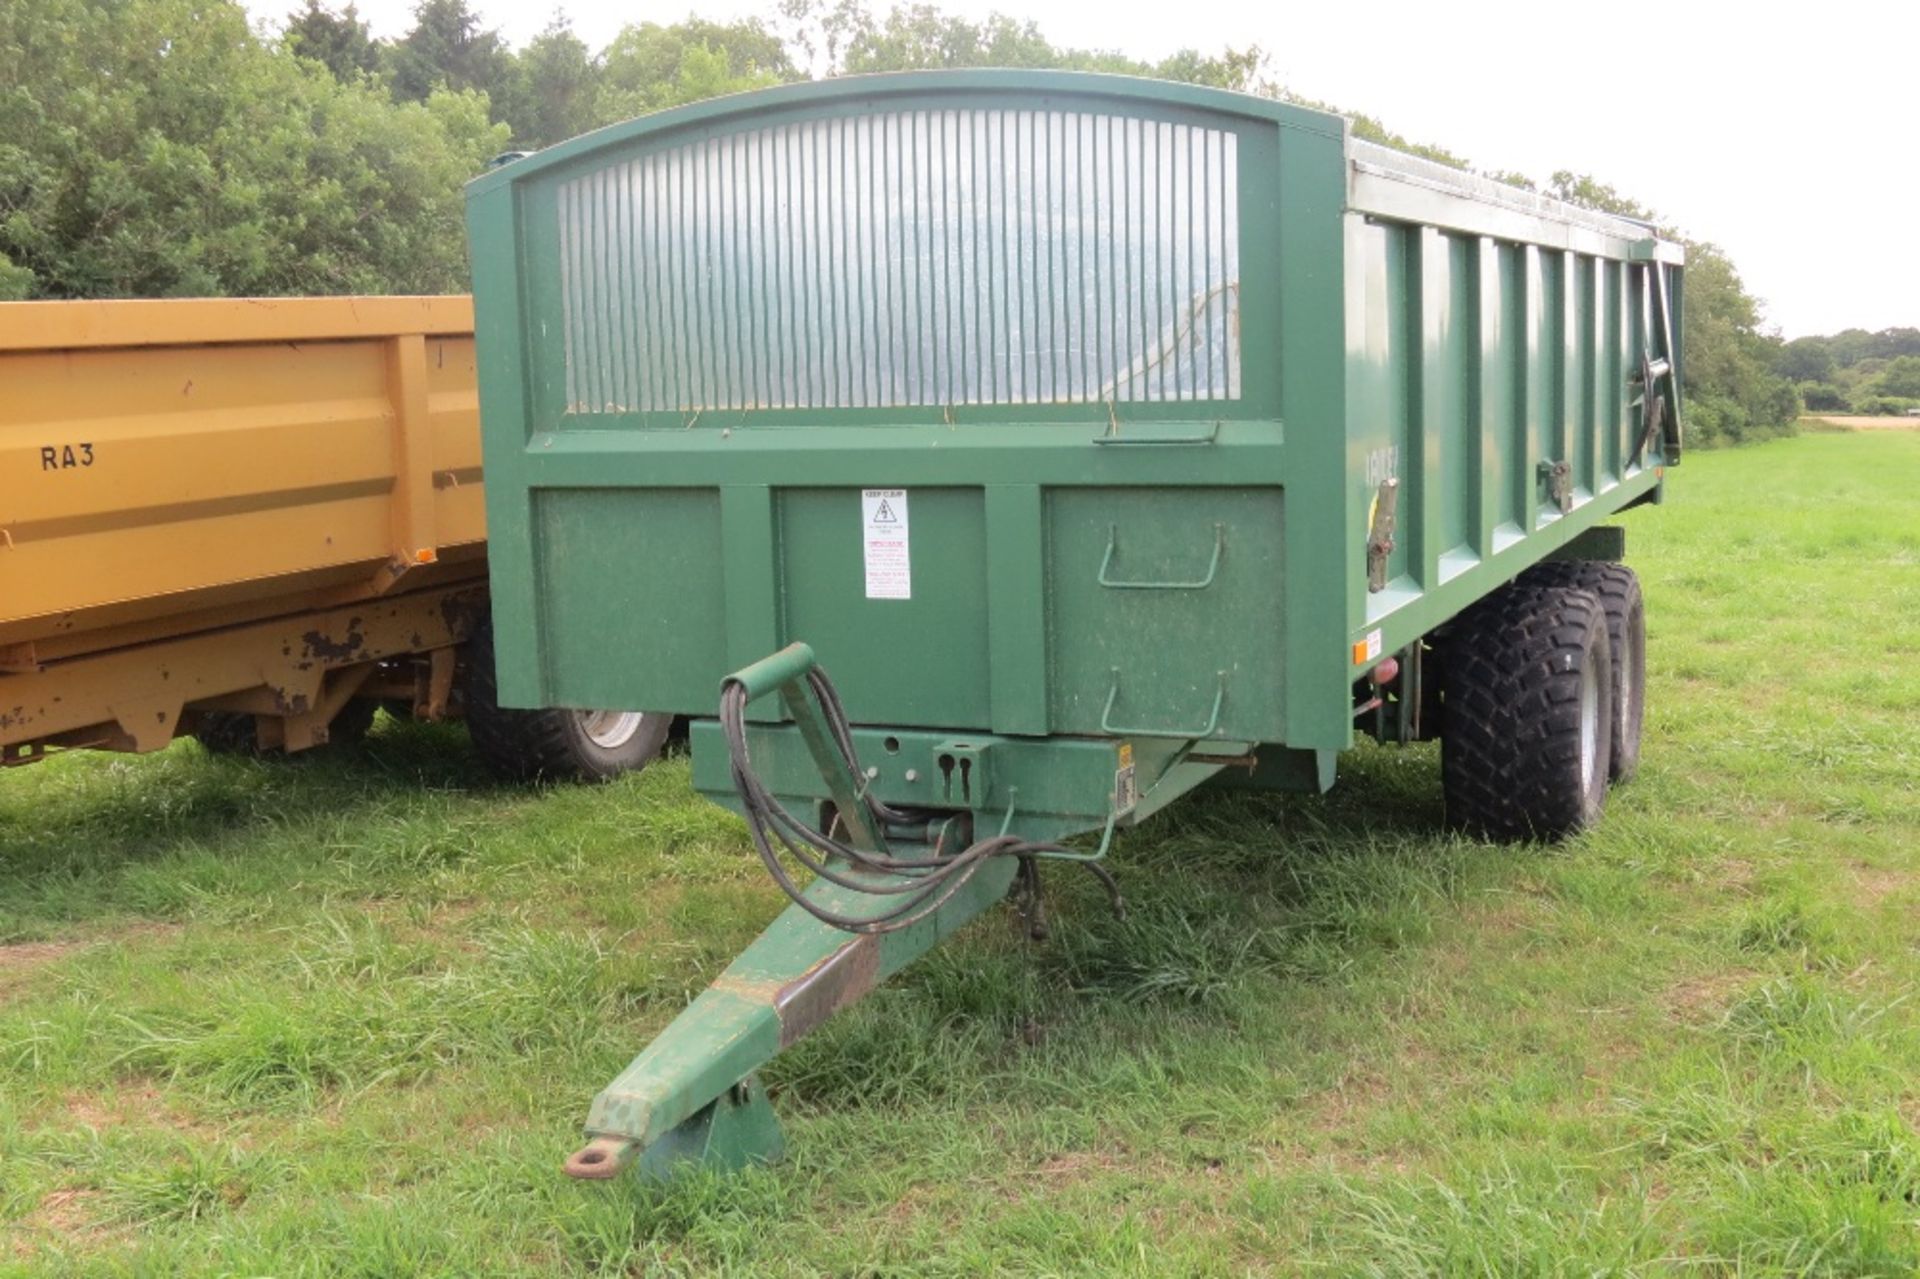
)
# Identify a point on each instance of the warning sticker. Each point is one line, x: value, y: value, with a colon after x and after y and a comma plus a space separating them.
x: 883, y: 525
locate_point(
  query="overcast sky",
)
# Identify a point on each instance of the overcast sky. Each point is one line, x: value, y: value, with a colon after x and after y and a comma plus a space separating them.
x: 1792, y: 141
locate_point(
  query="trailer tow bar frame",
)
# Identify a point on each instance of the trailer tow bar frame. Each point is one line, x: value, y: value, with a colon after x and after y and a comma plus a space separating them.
x: 691, y: 1097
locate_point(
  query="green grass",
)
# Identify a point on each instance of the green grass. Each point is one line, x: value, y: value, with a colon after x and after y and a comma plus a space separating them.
x: 342, y: 1016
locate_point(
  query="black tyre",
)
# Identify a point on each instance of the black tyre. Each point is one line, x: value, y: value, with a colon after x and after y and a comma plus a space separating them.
x: 551, y: 745
x: 1527, y: 701
x: 226, y: 733
x: 234, y: 732
x: 354, y: 720
x: 1619, y: 590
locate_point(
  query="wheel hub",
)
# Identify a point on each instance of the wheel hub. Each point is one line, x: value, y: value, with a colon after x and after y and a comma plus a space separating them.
x: 610, y: 730
x: 1590, y: 725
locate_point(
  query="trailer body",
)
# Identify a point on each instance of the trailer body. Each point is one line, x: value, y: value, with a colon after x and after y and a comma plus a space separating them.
x: 1098, y: 435
x: 1139, y: 360
x: 241, y: 505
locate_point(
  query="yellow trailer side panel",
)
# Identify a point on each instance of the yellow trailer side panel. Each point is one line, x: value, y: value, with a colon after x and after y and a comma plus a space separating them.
x: 162, y: 460
x: 46, y: 326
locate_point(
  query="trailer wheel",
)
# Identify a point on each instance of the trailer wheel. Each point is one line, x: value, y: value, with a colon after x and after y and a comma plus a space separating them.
x: 352, y: 722
x: 551, y: 745
x: 234, y: 732
x: 1528, y: 712
x: 1619, y: 590
x: 226, y: 733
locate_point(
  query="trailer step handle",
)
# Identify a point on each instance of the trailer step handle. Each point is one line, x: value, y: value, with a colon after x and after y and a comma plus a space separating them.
x: 1213, y: 721
x: 1200, y: 584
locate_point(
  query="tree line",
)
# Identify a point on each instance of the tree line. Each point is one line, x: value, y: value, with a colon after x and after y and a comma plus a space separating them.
x: 160, y: 148
x: 1855, y: 371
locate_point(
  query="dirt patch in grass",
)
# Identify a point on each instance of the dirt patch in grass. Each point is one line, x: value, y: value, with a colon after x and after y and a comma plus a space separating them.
x: 1877, y: 883
x: 137, y: 1105
x: 1079, y: 1166
x: 442, y: 923
x: 66, y: 1214
x: 1333, y: 1109
x: 1332, y: 1122
x: 1701, y: 999
x: 915, y: 1201
x: 65, y: 1211
x: 1735, y: 875
x: 1847, y: 422
x: 28, y: 955
x: 22, y: 961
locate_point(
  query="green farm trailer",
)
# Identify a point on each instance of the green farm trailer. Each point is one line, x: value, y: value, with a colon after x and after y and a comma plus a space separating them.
x: 1102, y: 438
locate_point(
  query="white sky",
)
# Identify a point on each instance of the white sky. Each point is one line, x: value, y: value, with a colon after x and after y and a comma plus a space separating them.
x: 1787, y: 136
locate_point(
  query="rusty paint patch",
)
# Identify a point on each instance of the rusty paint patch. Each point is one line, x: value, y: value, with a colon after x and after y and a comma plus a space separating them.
x: 319, y: 644
x: 764, y: 992
x: 463, y: 613
x: 842, y: 978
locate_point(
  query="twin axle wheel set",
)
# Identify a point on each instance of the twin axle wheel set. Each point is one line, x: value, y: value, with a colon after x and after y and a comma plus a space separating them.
x: 1544, y: 685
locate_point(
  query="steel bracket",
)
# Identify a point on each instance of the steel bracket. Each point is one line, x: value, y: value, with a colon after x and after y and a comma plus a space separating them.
x: 1558, y: 477
x: 1380, y: 528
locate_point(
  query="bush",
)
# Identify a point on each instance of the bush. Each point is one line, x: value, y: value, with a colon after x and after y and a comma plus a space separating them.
x: 1823, y: 397
x: 158, y: 148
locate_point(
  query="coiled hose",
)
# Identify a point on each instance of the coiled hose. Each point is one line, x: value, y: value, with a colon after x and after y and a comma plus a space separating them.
x: 922, y: 885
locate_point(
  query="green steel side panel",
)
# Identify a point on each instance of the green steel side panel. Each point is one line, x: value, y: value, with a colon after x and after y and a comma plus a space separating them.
x: 1378, y: 365
x: 921, y: 660
x: 1446, y: 425
x: 1165, y: 604
x: 749, y: 571
x: 615, y: 561
x: 1016, y: 608
x: 1325, y: 516
x: 502, y: 331
x: 1474, y: 368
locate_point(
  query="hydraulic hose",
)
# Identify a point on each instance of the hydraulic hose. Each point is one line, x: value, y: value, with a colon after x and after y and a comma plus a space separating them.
x: 921, y: 884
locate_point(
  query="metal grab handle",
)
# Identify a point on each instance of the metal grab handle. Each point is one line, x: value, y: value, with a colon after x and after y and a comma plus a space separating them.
x: 1659, y: 414
x: 1213, y: 721
x: 1651, y: 403
x: 1113, y: 436
x: 773, y: 671
x: 1213, y: 566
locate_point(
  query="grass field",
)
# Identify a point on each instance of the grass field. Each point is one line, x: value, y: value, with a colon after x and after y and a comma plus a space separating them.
x: 342, y: 1016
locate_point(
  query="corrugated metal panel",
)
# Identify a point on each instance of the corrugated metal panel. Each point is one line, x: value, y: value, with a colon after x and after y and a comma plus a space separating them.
x: 936, y: 257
